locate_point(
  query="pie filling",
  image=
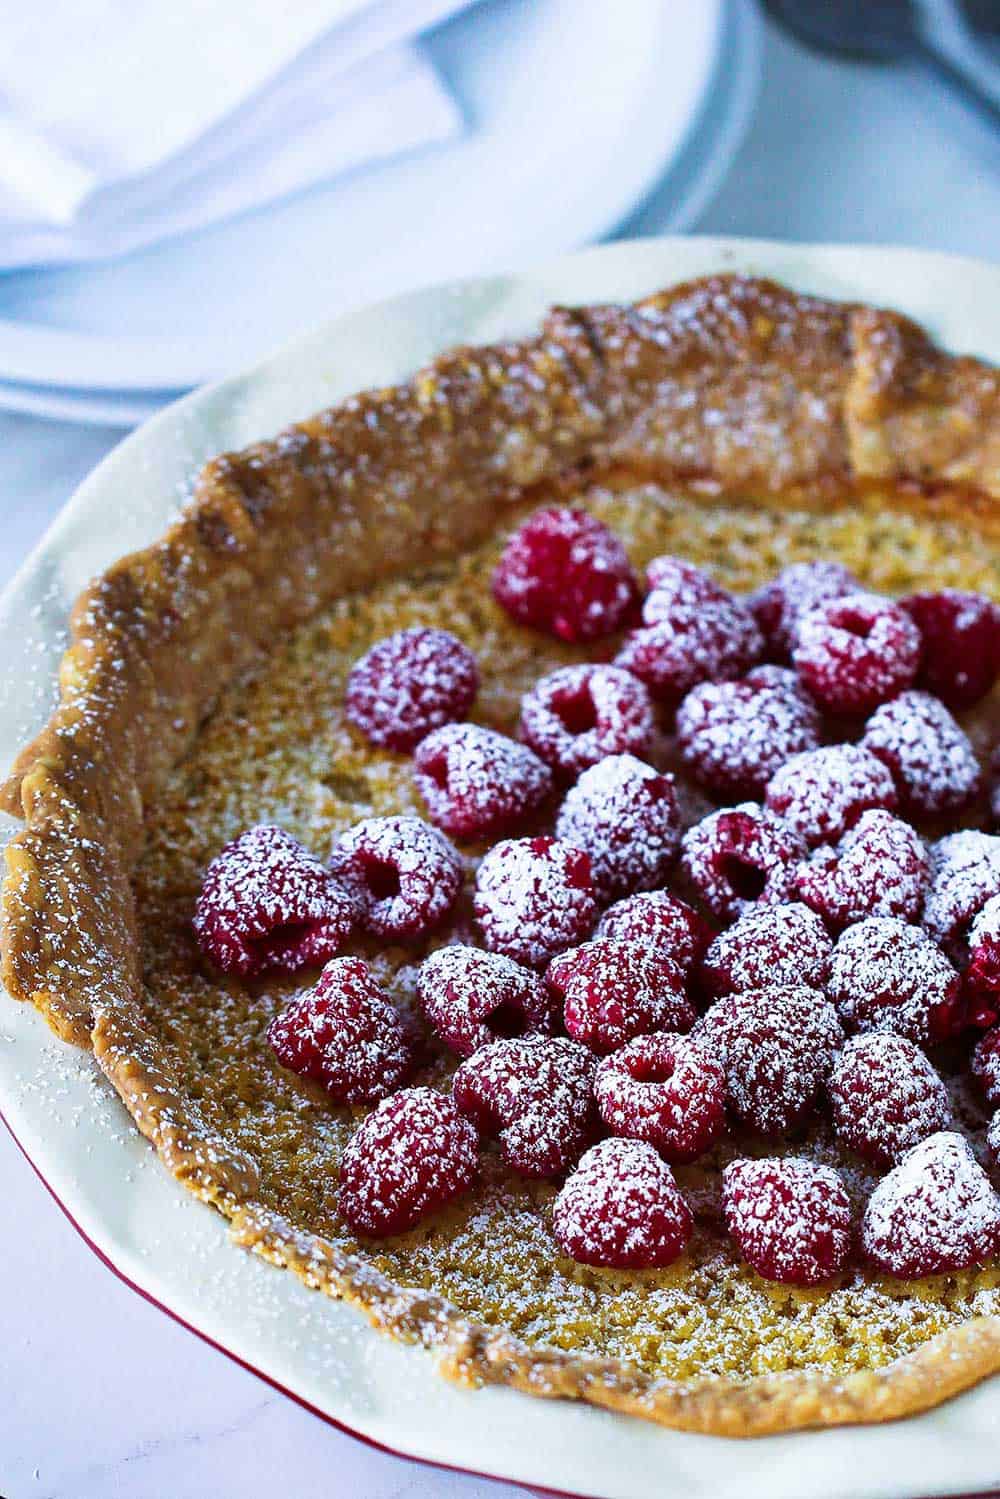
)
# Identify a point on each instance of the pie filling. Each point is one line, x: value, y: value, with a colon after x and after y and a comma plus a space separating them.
x: 280, y: 749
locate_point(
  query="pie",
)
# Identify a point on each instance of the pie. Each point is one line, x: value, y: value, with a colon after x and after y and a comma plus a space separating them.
x: 728, y: 422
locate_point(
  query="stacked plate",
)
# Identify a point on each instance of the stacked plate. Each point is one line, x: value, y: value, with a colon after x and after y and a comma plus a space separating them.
x: 576, y: 132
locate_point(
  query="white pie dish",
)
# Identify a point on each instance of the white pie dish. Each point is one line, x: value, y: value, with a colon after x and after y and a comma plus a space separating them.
x: 80, y: 1139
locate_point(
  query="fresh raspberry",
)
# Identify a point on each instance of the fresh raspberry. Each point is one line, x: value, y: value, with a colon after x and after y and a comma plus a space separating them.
x: 739, y: 856
x: 778, y: 1048
x: 856, y: 652
x: 534, y: 898
x: 266, y: 904
x: 693, y: 631
x: 661, y: 924
x: 929, y: 756
x: 478, y: 783
x: 985, y: 1066
x: 879, y: 868
x: 798, y: 589
x: 624, y: 814
x: 734, y: 735
x: 935, y: 1212
x: 536, y: 1095
x: 886, y: 1097
x: 887, y: 976
x: 667, y: 1090
x: 565, y: 573
x: 982, y: 976
x: 404, y: 874
x: 612, y: 991
x: 960, y: 644
x: 575, y: 716
x: 412, y: 1156
x: 790, y: 1217
x: 471, y: 997
x: 965, y: 874
x: 409, y: 684
x: 345, y: 1034
x: 621, y: 1209
x: 769, y: 947
x: 823, y: 792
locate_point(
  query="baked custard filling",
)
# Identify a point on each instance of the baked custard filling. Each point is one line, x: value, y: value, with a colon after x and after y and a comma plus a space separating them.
x: 278, y: 748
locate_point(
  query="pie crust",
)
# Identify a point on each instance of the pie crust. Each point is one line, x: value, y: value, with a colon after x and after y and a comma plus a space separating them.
x: 729, y: 386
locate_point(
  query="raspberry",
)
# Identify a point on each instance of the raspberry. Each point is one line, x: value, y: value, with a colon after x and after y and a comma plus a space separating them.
x: 985, y: 1067
x: 879, y: 868
x: 412, y: 1156
x: 739, y: 856
x: 734, y: 735
x: 667, y: 1090
x: 778, y: 1047
x: 993, y: 1139
x: 790, y: 1217
x: 982, y: 977
x: 886, y: 1097
x: 471, y: 997
x: 929, y: 756
x: 408, y: 684
x: 612, y: 991
x: 623, y: 814
x: 887, y: 976
x: 266, y: 904
x: 478, y: 783
x: 659, y: 924
x: 345, y: 1034
x: 823, y: 792
x: 798, y: 589
x: 575, y: 716
x: 855, y: 652
x: 965, y: 874
x: 534, y: 898
x: 935, y: 1212
x: 565, y: 573
x: 621, y: 1209
x: 404, y: 874
x: 769, y: 947
x: 535, y: 1095
x: 694, y: 631
x: 960, y: 644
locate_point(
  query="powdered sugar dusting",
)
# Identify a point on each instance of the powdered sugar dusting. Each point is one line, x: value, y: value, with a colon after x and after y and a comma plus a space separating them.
x: 935, y: 1212
x: 624, y: 814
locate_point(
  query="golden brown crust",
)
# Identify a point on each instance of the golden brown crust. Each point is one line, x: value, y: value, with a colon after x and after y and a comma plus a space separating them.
x: 736, y: 383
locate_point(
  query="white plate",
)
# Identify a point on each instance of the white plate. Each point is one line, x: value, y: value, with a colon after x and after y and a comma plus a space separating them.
x: 174, y: 1249
x: 576, y: 109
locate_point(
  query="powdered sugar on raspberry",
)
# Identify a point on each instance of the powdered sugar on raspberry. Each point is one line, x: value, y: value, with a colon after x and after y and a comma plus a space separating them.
x: 935, y: 1212
x: 734, y: 736
x: 472, y: 997
x: 886, y: 975
x: 534, y: 898
x: 403, y: 873
x: 886, y: 1096
x: 575, y: 716
x: 409, y: 684
x: 823, y: 792
x: 536, y: 1095
x: 929, y: 756
x: 880, y: 868
x: 624, y: 814
x: 965, y: 874
x: 781, y: 604
x: 775, y: 946
x: 790, y: 1217
x: 660, y: 923
x: 611, y: 992
x: 478, y: 783
x: 665, y: 1089
x: 622, y: 1209
x: 739, y: 856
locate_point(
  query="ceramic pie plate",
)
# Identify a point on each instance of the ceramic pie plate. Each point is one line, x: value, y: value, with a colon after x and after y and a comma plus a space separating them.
x: 173, y: 1249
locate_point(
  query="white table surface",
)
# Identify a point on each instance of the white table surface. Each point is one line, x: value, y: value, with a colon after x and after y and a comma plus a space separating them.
x: 101, y: 1395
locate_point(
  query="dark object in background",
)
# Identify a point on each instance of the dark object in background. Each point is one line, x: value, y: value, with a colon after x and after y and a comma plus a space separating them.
x: 940, y: 37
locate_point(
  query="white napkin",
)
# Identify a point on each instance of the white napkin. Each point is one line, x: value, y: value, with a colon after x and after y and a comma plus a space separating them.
x: 122, y: 123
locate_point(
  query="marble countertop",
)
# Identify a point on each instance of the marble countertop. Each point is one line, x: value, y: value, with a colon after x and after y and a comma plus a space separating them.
x: 101, y: 1395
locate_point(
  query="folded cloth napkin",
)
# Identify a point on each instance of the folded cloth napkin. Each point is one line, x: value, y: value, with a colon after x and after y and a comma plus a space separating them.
x: 125, y: 123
